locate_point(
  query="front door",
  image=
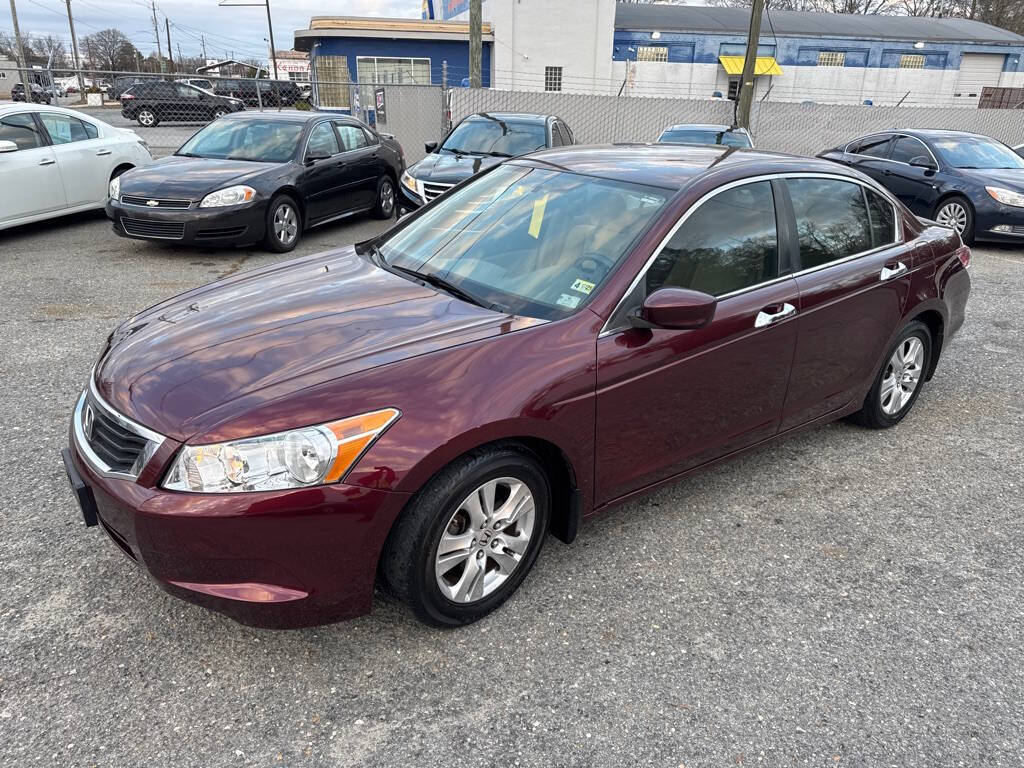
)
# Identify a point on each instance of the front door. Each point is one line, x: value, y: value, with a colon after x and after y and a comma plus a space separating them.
x: 670, y: 400
x: 854, y: 280
x: 33, y: 182
x: 915, y: 186
x: 326, y: 175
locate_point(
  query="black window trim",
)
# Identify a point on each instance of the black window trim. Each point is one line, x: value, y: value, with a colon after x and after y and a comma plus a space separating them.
x: 789, y: 233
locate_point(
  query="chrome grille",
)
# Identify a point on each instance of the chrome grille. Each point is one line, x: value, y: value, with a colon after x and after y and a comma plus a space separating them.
x: 146, y: 202
x: 160, y: 230
x: 110, y: 442
x: 432, y: 190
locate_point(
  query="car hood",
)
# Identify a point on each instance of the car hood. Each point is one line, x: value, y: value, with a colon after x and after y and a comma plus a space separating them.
x: 210, y: 355
x: 1004, y: 177
x: 446, y: 168
x: 189, y: 178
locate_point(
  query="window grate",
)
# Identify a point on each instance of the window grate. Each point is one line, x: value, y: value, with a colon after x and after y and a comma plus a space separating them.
x: 552, y: 78
x: 912, y: 61
x: 652, y: 53
x: 831, y: 58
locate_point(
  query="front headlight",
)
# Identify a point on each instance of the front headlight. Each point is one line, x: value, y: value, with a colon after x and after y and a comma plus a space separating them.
x: 413, y: 185
x: 229, y: 196
x: 1006, y: 196
x: 115, y: 188
x: 295, y: 459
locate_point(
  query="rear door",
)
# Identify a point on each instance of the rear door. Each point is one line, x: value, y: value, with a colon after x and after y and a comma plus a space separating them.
x: 361, y: 158
x: 31, y: 178
x: 81, y: 157
x: 669, y: 400
x: 869, y: 155
x: 854, y: 278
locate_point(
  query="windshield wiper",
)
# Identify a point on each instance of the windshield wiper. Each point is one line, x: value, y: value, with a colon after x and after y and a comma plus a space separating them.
x: 439, y: 282
x: 500, y: 154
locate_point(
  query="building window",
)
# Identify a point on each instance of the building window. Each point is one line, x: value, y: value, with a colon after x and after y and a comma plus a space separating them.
x: 387, y: 71
x: 911, y: 61
x: 831, y: 58
x: 734, y: 88
x: 300, y: 76
x: 552, y: 78
x: 652, y: 53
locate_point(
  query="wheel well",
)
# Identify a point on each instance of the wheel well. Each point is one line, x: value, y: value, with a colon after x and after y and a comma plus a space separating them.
x: 293, y: 193
x: 120, y: 169
x: 933, y: 320
x: 947, y: 196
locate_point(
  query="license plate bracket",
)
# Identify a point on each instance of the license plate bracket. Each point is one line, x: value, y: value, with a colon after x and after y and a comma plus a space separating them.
x: 83, y: 493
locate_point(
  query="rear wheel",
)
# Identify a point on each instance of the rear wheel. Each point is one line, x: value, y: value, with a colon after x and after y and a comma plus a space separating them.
x: 956, y: 212
x: 467, y: 540
x: 284, y: 224
x: 219, y: 112
x: 899, y: 383
x: 147, y: 118
x: 385, y: 199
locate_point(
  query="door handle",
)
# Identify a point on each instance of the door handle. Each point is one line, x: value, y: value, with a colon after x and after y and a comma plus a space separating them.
x: 104, y: 152
x: 765, y: 318
x: 47, y: 161
x: 886, y: 172
x: 888, y: 273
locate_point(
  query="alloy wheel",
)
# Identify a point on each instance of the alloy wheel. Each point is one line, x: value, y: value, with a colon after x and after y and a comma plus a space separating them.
x: 902, y: 375
x: 146, y: 117
x: 953, y: 215
x: 286, y: 224
x: 387, y: 198
x: 485, y: 540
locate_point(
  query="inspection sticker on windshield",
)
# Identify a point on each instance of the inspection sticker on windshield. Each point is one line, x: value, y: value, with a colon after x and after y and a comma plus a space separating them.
x: 538, y: 216
x: 583, y: 286
x: 571, y: 302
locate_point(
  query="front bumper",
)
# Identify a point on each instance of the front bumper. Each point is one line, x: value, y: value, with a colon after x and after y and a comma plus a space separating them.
x: 408, y: 201
x: 228, y: 226
x: 997, y: 222
x: 276, y: 559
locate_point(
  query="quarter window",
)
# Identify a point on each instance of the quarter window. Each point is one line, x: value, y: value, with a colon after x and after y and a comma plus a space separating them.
x: 64, y: 129
x: 831, y: 220
x: 22, y: 130
x: 729, y: 243
x: 883, y: 219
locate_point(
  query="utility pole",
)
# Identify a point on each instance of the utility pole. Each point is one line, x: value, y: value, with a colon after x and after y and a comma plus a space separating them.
x: 21, y: 55
x: 181, y: 59
x: 74, y: 50
x: 273, y: 51
x: 475, y: 43
x: 746, y: 94
x: 203, y: 38
x: 170, y: 55
x: 156, y: 31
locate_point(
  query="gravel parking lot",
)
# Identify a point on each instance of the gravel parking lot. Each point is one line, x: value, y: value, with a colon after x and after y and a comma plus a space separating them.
x: 844, y: 597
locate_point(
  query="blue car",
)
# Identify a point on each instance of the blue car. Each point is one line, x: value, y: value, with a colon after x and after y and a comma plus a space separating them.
x: 970, y: 182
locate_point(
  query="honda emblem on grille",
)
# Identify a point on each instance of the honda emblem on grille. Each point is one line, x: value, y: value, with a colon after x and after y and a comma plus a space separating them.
x: 88, y: 418
x: 152, y: 203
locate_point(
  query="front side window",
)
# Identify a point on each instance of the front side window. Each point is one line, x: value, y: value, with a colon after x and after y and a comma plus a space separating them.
x: 530, y: 241
x: 976, y: 152
x: 64, y: 129
x: 905, y: 148
x: 322, y: 141
x: 22, y: 130
x: 729, y: 243
x: 831, y: 220
x: 491, y: 136
x: 187, y: 92
x: 263, y: 141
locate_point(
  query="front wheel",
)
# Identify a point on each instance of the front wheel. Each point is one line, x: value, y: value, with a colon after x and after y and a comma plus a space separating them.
x: 899, y: 383
x: 218, y: 113
x: 147, y: 118
x: 957, y: 213
x: 469, y: 537
x: 385, y: 208
x: 284, y: 224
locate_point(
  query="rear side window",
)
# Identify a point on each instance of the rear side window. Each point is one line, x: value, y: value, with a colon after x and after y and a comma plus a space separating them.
x: 352, y: 137
x: 22, y: 130
x: 873, y: 146
x: 64, y: 129
x: 883, y: 219
x: 728, y: 244
x: 831, y: 220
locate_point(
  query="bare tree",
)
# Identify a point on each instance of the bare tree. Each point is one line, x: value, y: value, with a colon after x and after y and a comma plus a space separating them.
x: 51, y: 49
x: 109, y: 50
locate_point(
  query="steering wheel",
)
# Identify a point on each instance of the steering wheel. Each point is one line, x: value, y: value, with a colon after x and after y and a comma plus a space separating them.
x: 589, y: 263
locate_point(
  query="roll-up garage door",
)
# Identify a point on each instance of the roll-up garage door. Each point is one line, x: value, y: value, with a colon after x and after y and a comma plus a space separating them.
x: 976, y: 71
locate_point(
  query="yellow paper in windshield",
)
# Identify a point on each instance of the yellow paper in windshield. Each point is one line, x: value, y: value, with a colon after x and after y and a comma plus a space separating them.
x: 538, y: 216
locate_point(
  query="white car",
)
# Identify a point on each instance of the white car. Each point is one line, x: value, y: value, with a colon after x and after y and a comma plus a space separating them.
x: 55, y: 161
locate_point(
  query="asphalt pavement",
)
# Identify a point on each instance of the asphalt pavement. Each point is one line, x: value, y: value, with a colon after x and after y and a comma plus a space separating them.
x: 845, y: 597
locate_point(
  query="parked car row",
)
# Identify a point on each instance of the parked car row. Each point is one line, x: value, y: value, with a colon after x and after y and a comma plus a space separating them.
x: 37, y: 93
x: 252, y: 92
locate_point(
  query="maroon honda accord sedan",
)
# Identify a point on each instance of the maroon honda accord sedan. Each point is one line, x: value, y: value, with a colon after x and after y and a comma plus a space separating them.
x: 420, y: 410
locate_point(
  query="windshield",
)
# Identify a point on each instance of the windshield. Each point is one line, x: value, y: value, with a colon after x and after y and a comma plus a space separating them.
x: 704, y: 136
x: 976, y: 152
x: 526, y: 240
x: 264, y: 141
x: 485, y: 136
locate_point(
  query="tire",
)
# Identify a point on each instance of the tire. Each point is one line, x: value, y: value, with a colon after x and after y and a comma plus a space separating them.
x: 283, y: 232
x: 444, y: 509
x: 956, y: 211
x: 385, y: 207
x: 218, y: 113
x: 147, y: 118
x: 889, y: 400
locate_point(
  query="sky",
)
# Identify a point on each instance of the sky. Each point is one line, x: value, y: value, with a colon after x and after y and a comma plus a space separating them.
x: 239, y: 31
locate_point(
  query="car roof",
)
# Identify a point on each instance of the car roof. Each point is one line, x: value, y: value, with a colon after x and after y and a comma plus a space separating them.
x: 9, y: 109
x: 510, y: 117
x: 707, y: 126
x: 933, y: 133
x: 673, y: 166
x: 289, y: 116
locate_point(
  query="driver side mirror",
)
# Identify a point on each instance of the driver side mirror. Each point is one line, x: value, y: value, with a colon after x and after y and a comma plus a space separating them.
x: 8, y: 146
x: 313, y: 155
x: 430, y: 146
x: 923, y: 161
x: 675, y: 308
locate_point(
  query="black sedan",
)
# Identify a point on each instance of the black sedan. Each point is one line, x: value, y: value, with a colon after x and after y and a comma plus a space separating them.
x: 152, y: 102
x: 477, y: 142
x: 259, y: 177
x: 970, y: 182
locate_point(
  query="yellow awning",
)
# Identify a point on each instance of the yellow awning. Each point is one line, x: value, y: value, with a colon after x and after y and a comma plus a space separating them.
x: 765, y: 65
